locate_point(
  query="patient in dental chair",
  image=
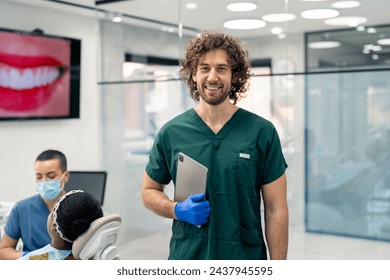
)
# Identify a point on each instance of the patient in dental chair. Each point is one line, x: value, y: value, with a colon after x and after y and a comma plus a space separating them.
x: 72, y: 215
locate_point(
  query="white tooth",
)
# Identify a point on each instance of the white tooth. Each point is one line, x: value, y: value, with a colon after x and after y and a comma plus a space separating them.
x: 28, y: 79
x: 38, y: 77
x: 22, y: 81
x: 3, y: 78
x: 48, y: 76
x: 14, y: 79
x: 54, y: 73
x: 45, y: 76
x: 51, y: 74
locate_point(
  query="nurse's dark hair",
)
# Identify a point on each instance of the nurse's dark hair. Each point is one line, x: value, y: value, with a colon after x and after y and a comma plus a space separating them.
x: 238, y: 58
x: 54, y: 154
x: 75, y: 213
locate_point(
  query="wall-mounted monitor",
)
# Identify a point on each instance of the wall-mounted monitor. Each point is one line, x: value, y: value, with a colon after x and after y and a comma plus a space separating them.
x: 39, y: 76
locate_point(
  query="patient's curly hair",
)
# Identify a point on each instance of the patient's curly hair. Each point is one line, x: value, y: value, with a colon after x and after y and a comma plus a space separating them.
x: 74, y: 213
x: 238, y: 59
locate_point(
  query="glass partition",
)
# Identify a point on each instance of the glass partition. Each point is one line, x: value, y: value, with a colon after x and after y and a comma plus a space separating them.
x: 346, y: 191
x: 348, y: 154
x: 346, y: 49
x: 133, y: 113
x: 347, y: 132
x: 334, y: 125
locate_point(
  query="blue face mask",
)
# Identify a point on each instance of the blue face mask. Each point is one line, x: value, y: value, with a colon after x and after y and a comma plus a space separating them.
x: 56, y: 254
x: 50, y: 190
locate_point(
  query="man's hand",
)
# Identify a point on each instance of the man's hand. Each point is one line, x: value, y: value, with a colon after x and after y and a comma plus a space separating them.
x: 194, y: 210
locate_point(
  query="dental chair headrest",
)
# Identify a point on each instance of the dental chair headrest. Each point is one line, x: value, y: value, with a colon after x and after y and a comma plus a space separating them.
x: 98, y: 242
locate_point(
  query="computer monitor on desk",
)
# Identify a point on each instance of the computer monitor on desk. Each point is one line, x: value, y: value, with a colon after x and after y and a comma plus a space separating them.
x: 92, y: 182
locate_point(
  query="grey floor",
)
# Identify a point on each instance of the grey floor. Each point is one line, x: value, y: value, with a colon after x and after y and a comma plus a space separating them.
x: 302, y: 246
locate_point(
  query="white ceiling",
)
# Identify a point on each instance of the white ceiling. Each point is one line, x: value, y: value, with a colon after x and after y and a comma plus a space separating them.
x: 211, y: 14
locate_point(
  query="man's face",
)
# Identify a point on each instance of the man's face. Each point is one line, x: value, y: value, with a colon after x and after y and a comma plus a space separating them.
x: 48, y: 170
x: 214, y: 77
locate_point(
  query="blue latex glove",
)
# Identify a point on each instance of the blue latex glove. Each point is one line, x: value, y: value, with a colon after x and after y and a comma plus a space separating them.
x: 194, y: 210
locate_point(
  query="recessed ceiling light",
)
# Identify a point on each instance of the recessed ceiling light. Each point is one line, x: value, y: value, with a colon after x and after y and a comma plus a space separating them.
x: 345, y: 4
x: 168, y: 29
x: 375, y: 57
x: 241, y: 7
x: 324, y: 45
x: 346, y: 21
x: 191, y: 6
x: 372, y: 47
x: 360, y: 28
x: 371, y: 30
x: 319, y: 14
x: 384, y: 41
x: 276, y: 30
x: 116, y: 19
x: 282, y: 17
x: 313, y: 0
x: 244, y: 24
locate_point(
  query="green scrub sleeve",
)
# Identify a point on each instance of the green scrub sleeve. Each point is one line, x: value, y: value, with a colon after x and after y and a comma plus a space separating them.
x: 156, y: 167
x: 275, y: 164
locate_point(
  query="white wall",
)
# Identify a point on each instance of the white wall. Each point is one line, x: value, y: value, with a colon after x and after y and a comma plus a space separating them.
x: 79, y: 139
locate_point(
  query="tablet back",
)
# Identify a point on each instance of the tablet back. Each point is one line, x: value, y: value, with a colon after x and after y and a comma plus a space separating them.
x: 191, y: 177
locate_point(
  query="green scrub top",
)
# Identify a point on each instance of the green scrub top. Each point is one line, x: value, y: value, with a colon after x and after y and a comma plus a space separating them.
x: 244, y: 155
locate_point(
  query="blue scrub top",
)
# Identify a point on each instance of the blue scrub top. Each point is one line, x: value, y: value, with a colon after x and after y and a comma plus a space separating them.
x: 28, y: 221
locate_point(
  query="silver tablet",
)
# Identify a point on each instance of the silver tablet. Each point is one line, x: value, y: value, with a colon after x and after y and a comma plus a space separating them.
x: 191, y: 177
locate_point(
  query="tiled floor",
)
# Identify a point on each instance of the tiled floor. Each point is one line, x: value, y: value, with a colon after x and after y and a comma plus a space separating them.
x: 302, y: 246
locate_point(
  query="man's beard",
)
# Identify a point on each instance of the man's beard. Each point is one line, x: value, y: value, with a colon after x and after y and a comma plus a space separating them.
x: 214, y: 99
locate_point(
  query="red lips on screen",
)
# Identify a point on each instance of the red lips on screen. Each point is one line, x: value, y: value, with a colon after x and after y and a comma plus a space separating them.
x: 27, y: 82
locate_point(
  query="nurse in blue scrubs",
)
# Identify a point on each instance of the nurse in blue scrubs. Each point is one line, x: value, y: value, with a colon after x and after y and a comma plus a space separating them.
x: 28, y: 218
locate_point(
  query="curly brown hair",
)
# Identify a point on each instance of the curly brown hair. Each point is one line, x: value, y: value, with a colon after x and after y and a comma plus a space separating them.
x: 238, y: 59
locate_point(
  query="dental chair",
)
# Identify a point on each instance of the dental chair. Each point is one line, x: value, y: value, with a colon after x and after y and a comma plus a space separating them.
x: 98, y: 242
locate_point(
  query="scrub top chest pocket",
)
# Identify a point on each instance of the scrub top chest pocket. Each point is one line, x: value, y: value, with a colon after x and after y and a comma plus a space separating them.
x: 247, y: 170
